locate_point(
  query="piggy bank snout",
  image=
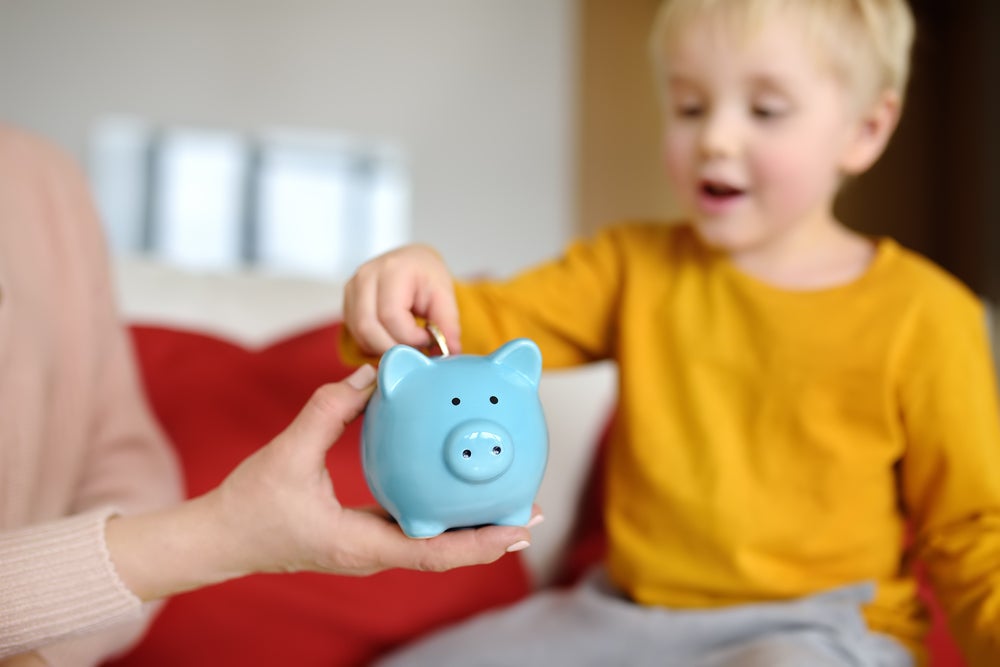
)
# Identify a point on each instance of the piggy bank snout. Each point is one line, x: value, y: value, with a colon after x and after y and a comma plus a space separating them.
x: 478, y: 451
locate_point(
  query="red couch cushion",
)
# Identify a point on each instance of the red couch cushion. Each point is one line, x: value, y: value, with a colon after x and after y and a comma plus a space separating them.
x: 218, y: 402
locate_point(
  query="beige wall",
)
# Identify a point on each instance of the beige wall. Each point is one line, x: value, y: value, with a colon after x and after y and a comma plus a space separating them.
x: 619, y: 173
x: 478, y: 94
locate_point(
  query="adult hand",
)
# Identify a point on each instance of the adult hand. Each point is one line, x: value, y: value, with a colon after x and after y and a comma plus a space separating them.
x: 386, y: 295
x: 277, y: 512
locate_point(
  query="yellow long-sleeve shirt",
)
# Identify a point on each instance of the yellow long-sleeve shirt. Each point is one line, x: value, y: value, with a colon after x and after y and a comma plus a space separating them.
x: 774, y: 443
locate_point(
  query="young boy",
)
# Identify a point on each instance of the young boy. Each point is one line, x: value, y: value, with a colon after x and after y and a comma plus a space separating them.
x: 795, y: 398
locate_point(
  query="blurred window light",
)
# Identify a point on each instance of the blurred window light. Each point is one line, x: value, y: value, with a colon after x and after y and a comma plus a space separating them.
x: 291, y: 202
x: 197, y: 208
x: 118, y: 171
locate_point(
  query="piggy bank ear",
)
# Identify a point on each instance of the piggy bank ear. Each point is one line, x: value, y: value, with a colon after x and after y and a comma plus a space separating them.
x: 397, y: 363
x: 523, y: 356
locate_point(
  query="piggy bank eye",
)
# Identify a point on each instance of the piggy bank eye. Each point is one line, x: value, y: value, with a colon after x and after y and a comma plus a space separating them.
x: 494, y: 400
x: 456, y: 400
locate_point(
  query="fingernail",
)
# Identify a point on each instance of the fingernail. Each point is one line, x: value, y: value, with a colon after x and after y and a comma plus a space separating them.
x: 362, y: 378
x: 517, y: 546
x: 535, y: 520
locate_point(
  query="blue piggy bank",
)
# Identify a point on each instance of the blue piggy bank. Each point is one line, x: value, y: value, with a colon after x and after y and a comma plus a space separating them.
x: 456, y: 441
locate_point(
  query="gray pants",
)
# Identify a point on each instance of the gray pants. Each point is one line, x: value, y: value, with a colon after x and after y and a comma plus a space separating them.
x: 593, y: 625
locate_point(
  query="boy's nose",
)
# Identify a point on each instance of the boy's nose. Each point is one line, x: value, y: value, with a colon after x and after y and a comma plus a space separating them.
x: 719, y: 137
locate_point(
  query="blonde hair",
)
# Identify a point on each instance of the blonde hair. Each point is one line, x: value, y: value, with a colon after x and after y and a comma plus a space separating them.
x: 868, y: 42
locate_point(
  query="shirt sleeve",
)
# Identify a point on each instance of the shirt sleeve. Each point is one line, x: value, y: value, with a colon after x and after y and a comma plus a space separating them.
x: 58, y: 581
x: 951, y: 471
x: 129, y: 464
x: 567, y: 306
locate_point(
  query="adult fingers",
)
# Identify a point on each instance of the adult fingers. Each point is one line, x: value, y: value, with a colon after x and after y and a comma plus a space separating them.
x: 471, y: 546
x: 368, y: 543
x: 331, y: 407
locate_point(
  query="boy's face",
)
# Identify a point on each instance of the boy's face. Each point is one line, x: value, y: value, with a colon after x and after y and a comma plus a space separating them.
x: 757, y: 133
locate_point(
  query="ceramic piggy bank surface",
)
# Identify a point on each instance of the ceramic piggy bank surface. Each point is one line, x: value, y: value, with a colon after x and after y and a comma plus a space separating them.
x: 456, y: 441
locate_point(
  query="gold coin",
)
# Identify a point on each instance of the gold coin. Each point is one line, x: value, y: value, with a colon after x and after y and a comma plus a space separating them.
x: 438, y: 338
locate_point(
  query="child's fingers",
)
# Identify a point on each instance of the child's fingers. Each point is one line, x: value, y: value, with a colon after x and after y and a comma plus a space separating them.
x: 442, y: 310
x: 361, y: 316
x: 397, y: 309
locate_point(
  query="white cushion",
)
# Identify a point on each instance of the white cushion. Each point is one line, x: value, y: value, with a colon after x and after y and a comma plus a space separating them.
x: 249, y: 307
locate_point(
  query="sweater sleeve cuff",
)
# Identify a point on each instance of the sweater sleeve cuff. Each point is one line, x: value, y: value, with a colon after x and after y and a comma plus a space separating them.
x: 58, y: 582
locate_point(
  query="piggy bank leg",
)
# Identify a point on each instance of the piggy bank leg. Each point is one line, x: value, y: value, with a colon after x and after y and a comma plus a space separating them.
x: 421, y: 528
x: 518, y: 518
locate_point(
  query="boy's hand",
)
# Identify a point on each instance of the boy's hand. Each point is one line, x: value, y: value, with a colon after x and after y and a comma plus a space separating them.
x: 386, y: 295
x: 277, y: 512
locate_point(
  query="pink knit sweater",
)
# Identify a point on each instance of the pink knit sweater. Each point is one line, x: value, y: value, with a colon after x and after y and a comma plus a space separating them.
x: 77, y: 442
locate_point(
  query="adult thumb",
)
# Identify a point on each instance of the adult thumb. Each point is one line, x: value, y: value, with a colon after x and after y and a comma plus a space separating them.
x: 331, y: 407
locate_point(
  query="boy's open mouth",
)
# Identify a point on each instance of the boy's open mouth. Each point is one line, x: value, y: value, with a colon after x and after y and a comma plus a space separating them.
x: 719, y: 190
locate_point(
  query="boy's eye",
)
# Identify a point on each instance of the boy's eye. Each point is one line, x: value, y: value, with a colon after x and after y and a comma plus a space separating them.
x: 689, y: 110
x: 765, y: 112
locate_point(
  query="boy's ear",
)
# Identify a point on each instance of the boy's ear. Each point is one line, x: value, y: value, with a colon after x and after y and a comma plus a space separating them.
x: 874, y: 129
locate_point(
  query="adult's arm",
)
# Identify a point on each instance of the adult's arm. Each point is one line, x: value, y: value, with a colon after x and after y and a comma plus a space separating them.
x: 59, y: 587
